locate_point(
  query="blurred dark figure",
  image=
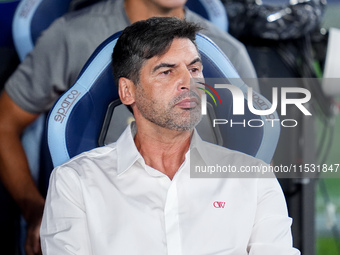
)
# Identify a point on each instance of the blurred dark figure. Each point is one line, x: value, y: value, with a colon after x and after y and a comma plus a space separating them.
x: 9, y: 60
x: 275, y: 20
x: 8, y: 57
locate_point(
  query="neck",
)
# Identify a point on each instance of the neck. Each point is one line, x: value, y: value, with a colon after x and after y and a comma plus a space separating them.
x: 161, y: 148
x: 137, y: 10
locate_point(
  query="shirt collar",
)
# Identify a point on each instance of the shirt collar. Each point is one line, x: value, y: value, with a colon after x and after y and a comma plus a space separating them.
x: 127, y: 152
x: 128, y: 155
x: 199, y: 150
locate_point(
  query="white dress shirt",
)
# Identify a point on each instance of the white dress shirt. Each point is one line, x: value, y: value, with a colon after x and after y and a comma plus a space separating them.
x: 108, y: 201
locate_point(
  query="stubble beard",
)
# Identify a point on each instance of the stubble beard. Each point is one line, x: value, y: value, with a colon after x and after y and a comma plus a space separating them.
x: 167, y: 117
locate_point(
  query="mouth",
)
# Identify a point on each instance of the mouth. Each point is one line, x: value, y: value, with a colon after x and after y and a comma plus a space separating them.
x: 188, y: 103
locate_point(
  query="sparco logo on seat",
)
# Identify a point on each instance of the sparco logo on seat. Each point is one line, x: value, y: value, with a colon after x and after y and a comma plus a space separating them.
x: 66, y: 105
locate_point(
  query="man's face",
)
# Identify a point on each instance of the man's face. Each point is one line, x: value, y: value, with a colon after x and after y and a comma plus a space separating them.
x: 167, y: 94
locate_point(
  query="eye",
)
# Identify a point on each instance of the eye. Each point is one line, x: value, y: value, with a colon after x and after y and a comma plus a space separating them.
x: 167, y: 72
x: 196, y: 71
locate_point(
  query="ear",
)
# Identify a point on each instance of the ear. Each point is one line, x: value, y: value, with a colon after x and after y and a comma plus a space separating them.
x: 126, y: 91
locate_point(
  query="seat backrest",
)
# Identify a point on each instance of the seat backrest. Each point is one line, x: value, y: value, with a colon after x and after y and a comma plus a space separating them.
x: 7, y: 10
x: 212, y: 10
x: 33, y: 17
x: 75, y: 123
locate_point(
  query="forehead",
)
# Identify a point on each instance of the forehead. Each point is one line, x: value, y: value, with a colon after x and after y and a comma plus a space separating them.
x: 181, y: 49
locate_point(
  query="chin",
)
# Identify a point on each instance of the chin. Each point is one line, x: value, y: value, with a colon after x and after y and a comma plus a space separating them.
x: 171, y: 4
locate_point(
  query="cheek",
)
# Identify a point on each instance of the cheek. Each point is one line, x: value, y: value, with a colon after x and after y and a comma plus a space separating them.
x: 200, y: 77
x: 200, y: 92
x: 149, y: 96
x: 158, y: 90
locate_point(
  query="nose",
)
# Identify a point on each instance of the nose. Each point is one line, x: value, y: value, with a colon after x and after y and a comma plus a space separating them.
x: 185, y: 80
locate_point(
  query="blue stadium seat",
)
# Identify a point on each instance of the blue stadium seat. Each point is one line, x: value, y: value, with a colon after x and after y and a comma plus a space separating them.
x: 76, y: 121
x: 212, y: 10
x: 33, y: 17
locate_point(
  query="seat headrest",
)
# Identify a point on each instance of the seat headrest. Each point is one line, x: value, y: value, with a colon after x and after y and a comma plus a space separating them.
x: 76, y: 120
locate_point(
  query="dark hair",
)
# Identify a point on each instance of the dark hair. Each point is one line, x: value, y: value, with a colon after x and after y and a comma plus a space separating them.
x: 145, y: 39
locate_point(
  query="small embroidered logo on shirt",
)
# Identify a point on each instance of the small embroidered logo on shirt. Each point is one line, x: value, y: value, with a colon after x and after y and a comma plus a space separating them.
x: 218, y: 204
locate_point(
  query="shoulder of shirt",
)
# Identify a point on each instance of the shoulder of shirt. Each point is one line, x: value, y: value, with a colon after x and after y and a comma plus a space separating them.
x: 100, y: 11
x: 96, y: 154
x: 223, y: 154
x: 103, y: 8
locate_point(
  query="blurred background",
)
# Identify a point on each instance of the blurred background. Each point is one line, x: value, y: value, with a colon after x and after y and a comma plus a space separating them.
x: 291, y: 39
x: 327, y: 206
x: 285, y: 39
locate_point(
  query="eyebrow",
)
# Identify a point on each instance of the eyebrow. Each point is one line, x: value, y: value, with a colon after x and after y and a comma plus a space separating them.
x: 161, y: 65
x: 195, y: 61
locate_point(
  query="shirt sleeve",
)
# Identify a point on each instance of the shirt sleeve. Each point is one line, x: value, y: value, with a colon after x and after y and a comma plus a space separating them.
x: 64, y: 227
x: 271, y: 232
x: 44, y: 74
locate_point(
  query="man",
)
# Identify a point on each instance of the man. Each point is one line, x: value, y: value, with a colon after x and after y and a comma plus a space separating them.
x: 136, y: 196
x: 53, y: 67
